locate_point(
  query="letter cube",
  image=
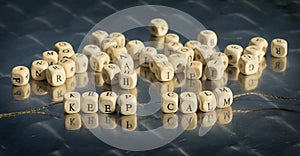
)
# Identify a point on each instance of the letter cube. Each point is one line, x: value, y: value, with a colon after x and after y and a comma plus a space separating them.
x: 194, y: 70
x: 220, y: 56
x: 107, y: 42
x: 90, y: 49
x: 188, y: 102
x: 233, y: 52
x: 71, y: 102
x: 98, y: 60
x: 207, y: 101
x: 178, y: 62
x: 260, y: 42
x: 171, y: 48
x: 81, y: 62
x: 203, y: 53
x: 145, y: 55
x: 110, y: 74
x: 279, y: 47
x: 169, y: 102
x: 89, y: 102
x: 51, y: 57
x: 69, y: 66
x: 158, y: 27
x: 56, y: 75
x: 193, y: 44
x: 119, y: 37
x: 62, y: 45
x: 65, y: 53
x: 133, y: 48
x: 20, y: 75
x: 171, y: 38
x: 125, y: 62
x: 224, y: 97
x: 156, y: 58
x: 187, y: 52
x: 127, y: 79
x: 38, y: 69
x: 164, y: 71
x: 128, y: 104
x: 248, y: 64
x: 115, y: 51
x: 97, y: 37
x: 255, y: 51
x: 214, y: 70
x: 208, y: 37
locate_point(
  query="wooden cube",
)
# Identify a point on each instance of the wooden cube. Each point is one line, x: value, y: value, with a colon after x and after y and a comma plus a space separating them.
x: 187, y: 52
x: 38, y: 69
x: 278, y: 64
x: 56, y: 75
x: 194, y: 70
x: 223, y: 96
x: 128, y: 104
x: 233, y: 52
x: 127, y: 79
x: 73, y: 122
x: 98, y: 60
x: 133, y: 48
x: 171, y: 38
x: 65, y: 53
x: 188, y: 102
x: 129, y: 122
x: 90, y: 49
x: 115, y: 51
x: 108, y: 121
x: 188, y: 121
x: 255, y: 51
x: 62, y: 45
x: 203, y: 53
x: 90, y: 121
x: 163, y: 71
x: 169, y: 102
x: 146, y: 54
x: 21, y: 92
x: 57, y: 93
x: 107, y: 102
x: 97, y: 37
x: 279, y: 47
x: 119, y: 37
x: 158, y: 27
x: 110, y: 74
x: 178, y: 62
x: 248, y: 64
x: 260, y: 42
x: 69, y: 66
x: 171, y: 48
x: 89, y: 102
x: 71, y: 102
x: 107, y: 42
x: 81, y: 63
x: 39, y: 87
x: 208, y: 37
x: 170, y: 121
x: 207, y: 101
x: 156, y: 58
x: 20, y: 75
x: 51, y: 57
x: 220, y: 56
x: 214, y: 70
x: 193, y: 44
x: 125, y: 62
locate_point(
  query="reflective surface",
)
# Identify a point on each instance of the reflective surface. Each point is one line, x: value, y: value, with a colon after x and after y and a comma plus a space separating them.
x: 254, y: 125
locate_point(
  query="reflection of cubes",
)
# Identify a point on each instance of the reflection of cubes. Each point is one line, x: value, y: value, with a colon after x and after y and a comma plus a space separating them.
x: 207, y: 119
x: 194, y: 70
x: 129, y: 123
x: 278, y: 64
x: 72, y: 121
x: 157, y: 42
x: 225, y: 115
x: 107, y: 121
x: 81, y: 62
x: 39, y: 87
x: 170, y: 121
x: 249, y: 82
x: 82, y: 80
x: 70, y: 83
x: 233, y: 72
x: 279, y: 47
x: 188, y: 121
x: 57, y: 93
x: 194, y: 86
x: 90, y: 121
x: 21, y: 92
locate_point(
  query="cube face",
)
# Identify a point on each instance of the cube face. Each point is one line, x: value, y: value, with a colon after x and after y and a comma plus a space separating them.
x: 38, y: 69
x: 158, y: 27
x: 194, y: 70
x: 128, y: 79
x: 208, y: 37
x: 193, y: 44
x: 220, y: 56
x: 163, y: 71
x: 20, y: 75
x: 97, y: 37
x: 107, y: 102
x: 89, y: 102
x: 233, y: 52
x: 57, y: 93
x: 119, y: 37
x: 171, y: 48
x: 248, y: 64
x: 207, y: 101
x: 71, y: 102
x: 178, y: 62
x: 171, y: 38
x: 224, y: 97
x: 145, y: 55
x: 90, y: 49
x: 255, y: 51
x: 69, y: 67
x: 279, y: 47
x: 107, y: 42
x: 260, y: 42
x: 202, y: 53
x: 188, y: 102
x: 187, y: 52
x: 133, y: 48
x: 98, y: 60
x: 108, y: 121
x: 39, y: 87
x: 51, y: 57
x: 82, y: 79
x: 128, y: 104
x: 125, y: 62
x: 21, y: 92
x: 114, y: 51
x: 81, y: 62
x: 110, y: 74
x: 62, y: 45
x: 233, y: 72
x: 188, y: 121
x: 169, y: 102
x: 65, y: 53
x: 214, y: 70
x: 73, y: 122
